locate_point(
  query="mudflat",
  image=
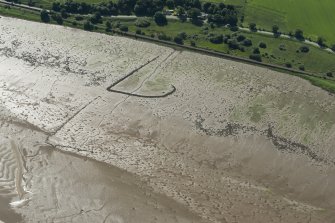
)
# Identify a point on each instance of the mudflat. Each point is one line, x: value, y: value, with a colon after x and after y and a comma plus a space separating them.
x: 192, y: 137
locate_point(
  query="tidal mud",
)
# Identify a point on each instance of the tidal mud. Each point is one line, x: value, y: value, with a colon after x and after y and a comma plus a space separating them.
x: 233, y: 143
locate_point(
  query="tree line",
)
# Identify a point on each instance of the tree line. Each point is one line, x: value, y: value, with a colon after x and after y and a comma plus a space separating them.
x: 220, y: 14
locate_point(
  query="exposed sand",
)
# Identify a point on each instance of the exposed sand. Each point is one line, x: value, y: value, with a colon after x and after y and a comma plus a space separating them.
x: 234, y: 143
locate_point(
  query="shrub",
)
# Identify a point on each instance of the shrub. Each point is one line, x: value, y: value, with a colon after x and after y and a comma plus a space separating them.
x: 138, y: 31
x: 256, y: 51
x: 108, y: 26
x: 262, y: 45
x: 282, y: 47
x: 96, y: 18
x: 240, y: 38
x: 183, y: 35
x: 160, y: 19
x: 288, y: 65
x: 234, y: 28
x: 124, y: 28
x: 178, y: 40
x: 321, y: 42
x: 88, y: 26
x: 256, y: 57
x: 193, y: 43
x: 64, y: 14
x: 142, y: 22
x: 163, y: 36
x: 57, y: 18
x: 302, y: 67
x: 79, y: 18
x: 233, y: 44
x: 333, y: 47
x: 217, y: 39
x: 330, y: 74
x: 299, y: 34
x: 304, y: 49
x: 247, y: 42
x: 275, y: 29
x: 252, y: 27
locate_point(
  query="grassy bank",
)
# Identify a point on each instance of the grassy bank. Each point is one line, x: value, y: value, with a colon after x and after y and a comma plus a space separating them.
x: 199, y: 35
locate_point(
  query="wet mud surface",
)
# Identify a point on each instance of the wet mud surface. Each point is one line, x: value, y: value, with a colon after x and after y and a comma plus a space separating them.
x: 231, y: 143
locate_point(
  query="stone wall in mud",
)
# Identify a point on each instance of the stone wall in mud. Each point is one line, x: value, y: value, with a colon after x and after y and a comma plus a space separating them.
x: 233, y: 143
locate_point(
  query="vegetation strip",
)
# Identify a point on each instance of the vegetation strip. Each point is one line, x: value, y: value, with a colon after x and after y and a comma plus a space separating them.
x: 324, y: 83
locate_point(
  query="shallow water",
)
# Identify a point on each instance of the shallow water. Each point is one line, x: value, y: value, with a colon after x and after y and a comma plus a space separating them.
x: 60, y: 187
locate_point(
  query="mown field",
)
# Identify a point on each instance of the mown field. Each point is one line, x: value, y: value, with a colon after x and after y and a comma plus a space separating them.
x: 315, y: 18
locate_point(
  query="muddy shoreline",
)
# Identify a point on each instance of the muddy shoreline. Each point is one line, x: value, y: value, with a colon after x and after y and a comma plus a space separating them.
x: 233, y: 143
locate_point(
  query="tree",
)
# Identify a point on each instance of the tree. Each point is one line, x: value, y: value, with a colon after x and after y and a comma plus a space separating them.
x: 180, y: 11
x: 170, y: 4
x: 45, y: 16
x: 160, y: 19
x: 252, y: 27
x: 56, y: 6
x: 299, y: 34
x: 275, y: 29
x: 193, y: 13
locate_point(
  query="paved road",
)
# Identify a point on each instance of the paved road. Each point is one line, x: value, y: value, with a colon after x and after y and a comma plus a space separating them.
x: 22, y: 6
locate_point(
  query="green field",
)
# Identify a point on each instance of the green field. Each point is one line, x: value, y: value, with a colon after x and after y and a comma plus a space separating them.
x: 315, y: 17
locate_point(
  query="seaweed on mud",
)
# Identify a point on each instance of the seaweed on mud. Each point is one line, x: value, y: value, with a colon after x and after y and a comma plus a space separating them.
x: 281, y: 143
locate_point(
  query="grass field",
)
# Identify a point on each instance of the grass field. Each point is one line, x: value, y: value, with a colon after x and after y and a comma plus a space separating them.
x: 315, y: 18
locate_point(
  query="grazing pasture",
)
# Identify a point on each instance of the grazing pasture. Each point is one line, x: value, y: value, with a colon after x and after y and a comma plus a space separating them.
x: 315, y: 18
